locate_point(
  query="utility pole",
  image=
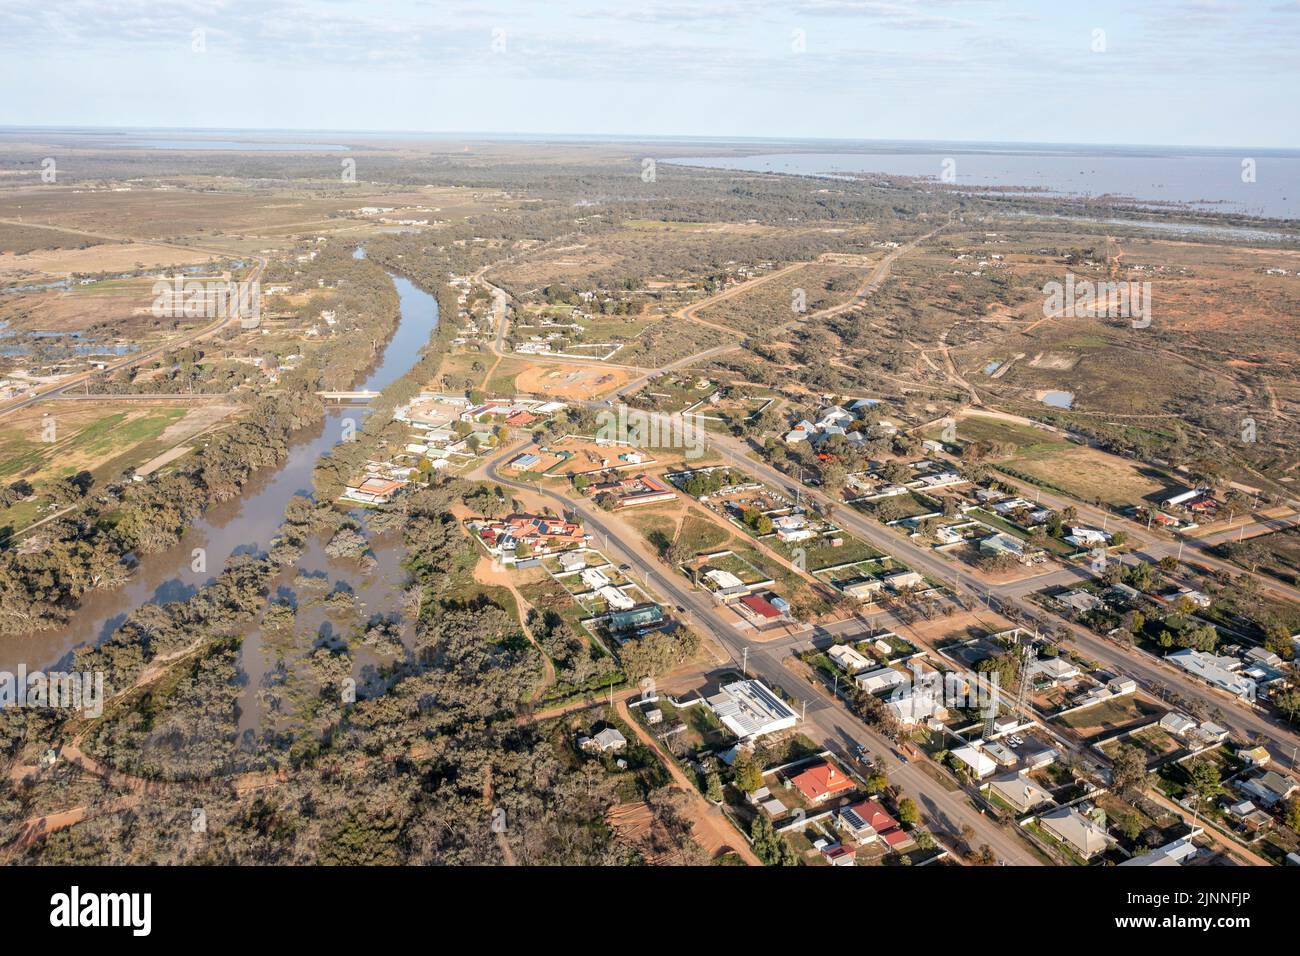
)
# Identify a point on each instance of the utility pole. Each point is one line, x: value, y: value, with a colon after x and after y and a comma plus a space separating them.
x: 744, y: 663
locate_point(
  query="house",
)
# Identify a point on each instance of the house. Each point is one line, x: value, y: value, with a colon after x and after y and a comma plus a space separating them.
x: 608, y: 740
x: 594, y: 578
x: 819, y: 783
x: 801, y: 432
x: 1209, y: 734
x: 636, y: 618
x: 881, y: 679
x: 1171, y: 854
x: 1002, y: 543
x: 724, y: 581
x: 1055, y: 669
x: 1082, y: 537
x: 979, y: 763
x: 863, y: 589
x: 573, y: 561
x: 523, y: 462
x: 1259, y: 655
x: 1215, y: 670
x: 760, y: 610
x: 918, y: 705
x: 540, y: 533
x: 1036, y: 754
x: 864, y: 821
x: 615, y: 599
x: 1020, y: 792
x: 849, y: 659
x: 1076, y: 831
x: 521, y: 418
x: 899, y: 580
x: 1270, y: 788
x: 1176, y: 723
x: 749, y: 709
x: 641, y: 490
x: 793, y: 527
x: 840, y: 855
x: 834, y: 416
x: 374, y: 490
x: 1081, y: 601
x: 1256, y: 756
x: 1196, y: 598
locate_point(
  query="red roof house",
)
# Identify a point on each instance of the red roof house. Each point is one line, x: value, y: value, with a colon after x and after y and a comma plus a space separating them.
x: 761, y: 606
x: 821, y: 782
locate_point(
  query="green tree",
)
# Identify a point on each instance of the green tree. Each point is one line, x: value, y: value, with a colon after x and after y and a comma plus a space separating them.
x: 713, y: 786
x: 1204, y: 779
x: 748, y: 774
x: 907, y: 812
x: 769, y: 845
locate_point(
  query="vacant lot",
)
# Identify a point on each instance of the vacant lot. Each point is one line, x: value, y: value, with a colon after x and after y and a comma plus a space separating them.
x: 1108, y: 716
x: 104, y: 438
x: 815, y: 286
x: 17, y: 239
x: 568, y: 380
x: 1277, y: 554
x: 1092, y: 475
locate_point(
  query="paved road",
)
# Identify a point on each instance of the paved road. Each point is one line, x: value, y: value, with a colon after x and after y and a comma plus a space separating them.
x: 946, y: 811
x: 1152, y: 672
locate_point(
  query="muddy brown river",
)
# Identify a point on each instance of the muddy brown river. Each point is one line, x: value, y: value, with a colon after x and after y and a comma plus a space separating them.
x: 247, y: 524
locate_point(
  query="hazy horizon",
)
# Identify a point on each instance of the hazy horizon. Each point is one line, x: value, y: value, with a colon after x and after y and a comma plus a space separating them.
x: 547, y: 136
x: 1178, y: 73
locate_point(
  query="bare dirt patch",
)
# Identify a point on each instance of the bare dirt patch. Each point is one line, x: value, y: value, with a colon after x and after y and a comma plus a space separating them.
x: 571, y: 381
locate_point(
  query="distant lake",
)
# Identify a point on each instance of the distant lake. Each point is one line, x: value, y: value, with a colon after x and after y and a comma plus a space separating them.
x: 232, y: 145
x: 1209, y: 181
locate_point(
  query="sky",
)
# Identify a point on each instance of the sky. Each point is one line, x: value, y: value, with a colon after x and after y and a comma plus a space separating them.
x: 1217, y: 73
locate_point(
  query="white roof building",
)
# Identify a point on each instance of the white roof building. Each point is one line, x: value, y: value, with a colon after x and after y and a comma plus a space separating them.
x: 883, y: 678
x: 980, y: 763
x: 615, y: 599
x: 748, y: 708
x: 1054, y: 668
x: 1171, y: 854
x: 725, y: 580
x: 594, y: 579
x: 849, y: 658
x: 903, y: 579
x: 1215, y: 670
